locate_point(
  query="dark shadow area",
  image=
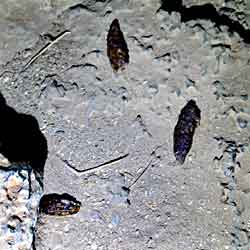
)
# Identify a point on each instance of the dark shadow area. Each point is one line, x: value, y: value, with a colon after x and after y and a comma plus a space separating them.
x: 21, y: 140
x: 206, y: 12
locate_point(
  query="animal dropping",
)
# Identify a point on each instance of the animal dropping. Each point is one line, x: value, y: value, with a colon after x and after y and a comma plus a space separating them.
x: 189, y: 119
x: 117, y: 49
x: 59, y: 204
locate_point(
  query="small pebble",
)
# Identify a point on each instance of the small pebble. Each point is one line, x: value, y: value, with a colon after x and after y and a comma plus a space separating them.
x: 115, y: 219
x: 189, y: 83
x: 96, y: 215
x: 220, y: 89
x: 123, y: 93
x: 244, y: 97
x: 177, y: 92
x: 151, y: 88
x: 94, y: 246
x: 151, y: 243
x: 228, y: 171
x: 242, y: 122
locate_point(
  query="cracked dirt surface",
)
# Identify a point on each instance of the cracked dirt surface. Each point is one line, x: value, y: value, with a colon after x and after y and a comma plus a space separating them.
x: 90, y: 115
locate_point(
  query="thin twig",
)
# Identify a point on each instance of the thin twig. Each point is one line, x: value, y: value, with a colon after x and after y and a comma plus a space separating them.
x: 92, y: 169
x: 44, y: 49
x: 140, y: 175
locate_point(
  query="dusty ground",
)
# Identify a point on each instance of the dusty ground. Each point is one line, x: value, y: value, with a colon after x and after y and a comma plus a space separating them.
x: 90, y: 115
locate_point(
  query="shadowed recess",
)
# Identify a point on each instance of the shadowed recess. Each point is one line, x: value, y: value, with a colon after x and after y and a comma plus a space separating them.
x: 21, y: 140
x: 206, y: 12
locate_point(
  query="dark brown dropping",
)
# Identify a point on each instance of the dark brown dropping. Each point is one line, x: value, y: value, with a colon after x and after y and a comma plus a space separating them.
x: 189, y: 119
x: 117, y: 49
x: 59, y: 204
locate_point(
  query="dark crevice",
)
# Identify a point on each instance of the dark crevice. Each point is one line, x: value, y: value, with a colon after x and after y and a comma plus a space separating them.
x: 21, y: 140
x: 206, y: 12
x: 82, y: 65
x: 80, y: 6
x: 89, y: 6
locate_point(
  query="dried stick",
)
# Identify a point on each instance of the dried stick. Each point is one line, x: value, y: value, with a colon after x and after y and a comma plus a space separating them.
x: 140, y: 175
x: 92, y: 169
x: 44, y: 49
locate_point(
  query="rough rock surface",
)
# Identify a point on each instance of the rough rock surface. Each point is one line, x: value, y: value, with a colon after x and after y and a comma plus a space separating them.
x: 90, y: 115
x: 237, y: 10
x: 20, y: 194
